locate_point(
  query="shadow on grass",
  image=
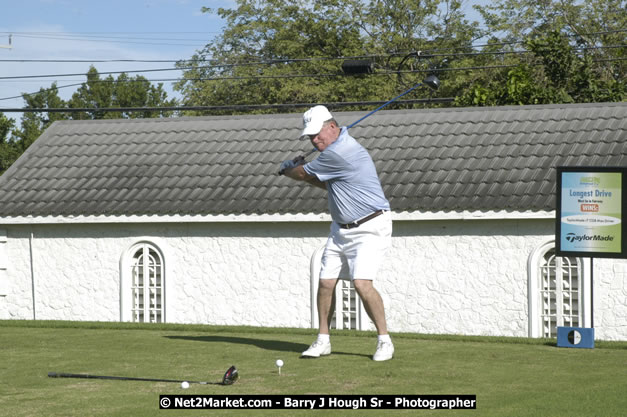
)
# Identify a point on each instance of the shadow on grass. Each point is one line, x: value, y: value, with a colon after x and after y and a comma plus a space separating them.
x: 276, y: 345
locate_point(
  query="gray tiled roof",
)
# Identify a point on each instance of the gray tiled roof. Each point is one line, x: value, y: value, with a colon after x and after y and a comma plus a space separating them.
x: 477, y: 159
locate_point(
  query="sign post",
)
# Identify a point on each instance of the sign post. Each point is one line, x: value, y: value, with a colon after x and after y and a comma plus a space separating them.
x: 590, y: 202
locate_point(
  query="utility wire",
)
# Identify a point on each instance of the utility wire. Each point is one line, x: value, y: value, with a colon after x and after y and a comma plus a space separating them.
x: 109, y: 39
x: 258, y: 77
x: 425, y: 53
x: 220, y: 108
x: 25, y: 77
x: 131, y: 42
x: 106, y: 37
x: 20, y: 77
x: 272, y: 62
x: 90, y: 33
x: 91, y: 60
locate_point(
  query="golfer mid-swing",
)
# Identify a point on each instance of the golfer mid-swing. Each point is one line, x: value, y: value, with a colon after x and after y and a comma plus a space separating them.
x: 361, y: 229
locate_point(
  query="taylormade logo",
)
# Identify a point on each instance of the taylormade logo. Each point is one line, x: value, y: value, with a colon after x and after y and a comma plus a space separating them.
x: 571, y: 237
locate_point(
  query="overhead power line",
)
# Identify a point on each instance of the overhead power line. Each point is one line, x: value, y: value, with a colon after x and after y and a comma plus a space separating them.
x: 435, y: 53
x: 107, y: 35
x: 128, y: 37
x: 219, y: 108
x: 123, y: 37
x: 78, y: 61
x: 127, y: 42
x: 20, y: 77
x: 88, y: 33
x: 261, y: 77
x: 425, y: 56
x: 429, y: 53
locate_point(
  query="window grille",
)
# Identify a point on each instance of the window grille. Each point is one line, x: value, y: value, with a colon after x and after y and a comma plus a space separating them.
x: 347, y: 307
x: 4, y: 260
x: 560, y: 293
x: 349, y: 311
x: 147, y: 286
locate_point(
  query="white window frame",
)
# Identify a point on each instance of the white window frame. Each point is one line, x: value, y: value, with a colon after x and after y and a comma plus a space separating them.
x: 127, y: 265
x: 4, y: 262
x: 348, y: 305
x: 534, y: 288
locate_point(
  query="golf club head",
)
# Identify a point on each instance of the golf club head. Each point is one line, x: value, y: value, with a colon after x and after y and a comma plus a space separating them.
x: 432, y: 82
x: 230, y: 376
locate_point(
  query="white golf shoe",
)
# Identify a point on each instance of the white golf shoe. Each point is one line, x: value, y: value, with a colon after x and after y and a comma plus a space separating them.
x: 317, y: 349
x: 385, y: 351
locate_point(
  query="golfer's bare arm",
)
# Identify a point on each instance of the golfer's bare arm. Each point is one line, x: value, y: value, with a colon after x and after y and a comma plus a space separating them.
x: 299, y: 174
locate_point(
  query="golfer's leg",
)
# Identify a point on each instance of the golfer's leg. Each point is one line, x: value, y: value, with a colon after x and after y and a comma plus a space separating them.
x: 373, y: 303
x: 326, y: 303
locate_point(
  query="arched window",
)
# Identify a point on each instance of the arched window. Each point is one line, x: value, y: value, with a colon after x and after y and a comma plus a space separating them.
x: 143, y: 285
x: 559, y: 292
x: 147, y: 285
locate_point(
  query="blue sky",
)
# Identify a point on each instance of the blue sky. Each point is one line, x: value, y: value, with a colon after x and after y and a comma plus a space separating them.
x: 92, y: 30
x: 100, y: 30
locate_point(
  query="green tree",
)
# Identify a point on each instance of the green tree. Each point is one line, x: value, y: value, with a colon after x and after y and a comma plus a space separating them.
x: 285, y: 51
x: 576, y: 52
x: 95, y: 93
x: 8, y: 151
x: 593, y: 22
x: 123, y: 92
x: 6, y: 126
x: 553, y: 72
x: 34, y: 123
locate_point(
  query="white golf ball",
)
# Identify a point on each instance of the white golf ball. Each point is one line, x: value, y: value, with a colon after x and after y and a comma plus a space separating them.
x: 279, y: 363
x: 184, y: 384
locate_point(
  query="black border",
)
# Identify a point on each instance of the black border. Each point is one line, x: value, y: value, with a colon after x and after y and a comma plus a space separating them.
x: 558, y: 211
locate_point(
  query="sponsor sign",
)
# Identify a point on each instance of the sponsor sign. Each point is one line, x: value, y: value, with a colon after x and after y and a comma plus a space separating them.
x: 590, y: 204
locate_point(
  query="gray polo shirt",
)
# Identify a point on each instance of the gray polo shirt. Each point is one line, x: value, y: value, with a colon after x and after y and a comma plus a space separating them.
x: 351, y: 178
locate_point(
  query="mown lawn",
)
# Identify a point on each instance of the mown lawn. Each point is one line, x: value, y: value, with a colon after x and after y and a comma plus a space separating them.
x: 509, y: 376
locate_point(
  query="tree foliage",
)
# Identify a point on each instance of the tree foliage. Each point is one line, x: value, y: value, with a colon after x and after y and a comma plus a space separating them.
x: 95, y: 93
x: 283, y: 51
x: 8, y: 150
x: 123, y: 92
x: 552, y: 72
x: 286, y: 51
x: 574, y: 52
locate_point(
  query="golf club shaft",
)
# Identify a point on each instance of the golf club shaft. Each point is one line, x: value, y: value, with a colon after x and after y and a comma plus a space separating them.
x: 372, y: 112
x: 119, y: 378
x: 385, y: 104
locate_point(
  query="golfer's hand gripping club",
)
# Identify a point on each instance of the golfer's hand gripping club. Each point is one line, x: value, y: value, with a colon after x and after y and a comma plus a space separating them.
x: 291, y: 163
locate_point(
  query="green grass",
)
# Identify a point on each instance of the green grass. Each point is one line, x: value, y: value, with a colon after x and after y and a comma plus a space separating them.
x: 509, y: 376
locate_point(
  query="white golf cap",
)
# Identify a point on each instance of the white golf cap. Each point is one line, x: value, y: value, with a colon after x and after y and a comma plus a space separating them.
x: 314, y: 118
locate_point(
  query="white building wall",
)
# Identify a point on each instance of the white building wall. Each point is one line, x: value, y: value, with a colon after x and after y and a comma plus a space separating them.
x: 610, y: 299
x: 454, y: 277
x: 461, y: 277
x: 244, y: 274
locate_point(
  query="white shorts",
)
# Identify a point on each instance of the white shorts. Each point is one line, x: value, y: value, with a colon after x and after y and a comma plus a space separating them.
x: 357, y: 253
